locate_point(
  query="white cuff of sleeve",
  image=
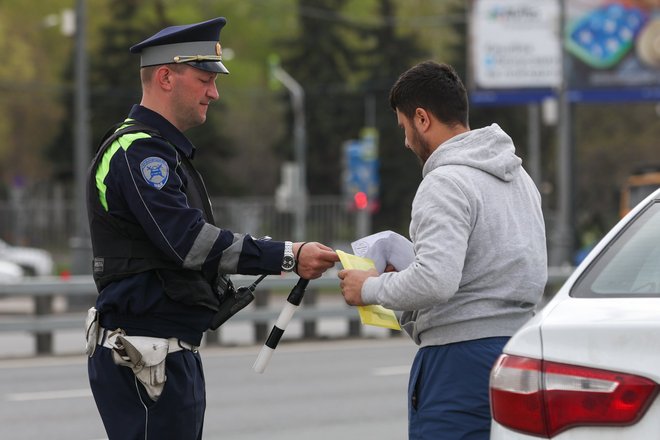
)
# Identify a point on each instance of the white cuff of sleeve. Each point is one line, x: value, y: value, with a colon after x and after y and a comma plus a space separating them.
x: 370, y: 290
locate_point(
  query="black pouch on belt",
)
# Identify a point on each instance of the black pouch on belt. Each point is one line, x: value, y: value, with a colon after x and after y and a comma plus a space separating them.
x: 233, y: 302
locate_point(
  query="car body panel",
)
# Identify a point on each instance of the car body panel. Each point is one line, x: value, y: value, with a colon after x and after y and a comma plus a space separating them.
x: 610, y: 332
x: 605, y: 333
x: 582, y: 332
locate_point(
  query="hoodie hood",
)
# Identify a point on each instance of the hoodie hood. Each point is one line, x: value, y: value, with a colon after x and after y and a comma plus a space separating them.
x: 488, y: 149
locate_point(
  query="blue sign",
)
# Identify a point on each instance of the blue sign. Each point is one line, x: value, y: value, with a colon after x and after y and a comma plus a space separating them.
x: 361, y: 179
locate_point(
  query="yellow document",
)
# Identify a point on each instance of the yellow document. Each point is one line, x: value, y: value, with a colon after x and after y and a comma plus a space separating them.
x: 372, y: 314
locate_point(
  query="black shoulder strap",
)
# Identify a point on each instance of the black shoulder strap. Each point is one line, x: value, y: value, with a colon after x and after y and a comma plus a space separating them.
x: 197, y: 181
x: 133, y: 126
x: 122, y: 128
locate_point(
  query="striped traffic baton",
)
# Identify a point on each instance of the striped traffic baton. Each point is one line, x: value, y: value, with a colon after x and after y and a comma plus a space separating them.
x: 292, y: 302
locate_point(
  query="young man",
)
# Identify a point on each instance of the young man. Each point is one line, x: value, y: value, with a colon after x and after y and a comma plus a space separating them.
x: 480, y: 256
x: 159, y: 260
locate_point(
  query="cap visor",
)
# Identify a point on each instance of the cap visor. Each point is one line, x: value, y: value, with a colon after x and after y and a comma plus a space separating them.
x: 209, y: 66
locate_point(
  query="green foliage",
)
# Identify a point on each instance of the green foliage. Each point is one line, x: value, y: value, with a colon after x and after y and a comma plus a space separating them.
x: 323, y: 62
x: 29, y: 86
x: 391, y: 55
x: 348, y: 59
x: 345, y: 53
x: 113, y: 70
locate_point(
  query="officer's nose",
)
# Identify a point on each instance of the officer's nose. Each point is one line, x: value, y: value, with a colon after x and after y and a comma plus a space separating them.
x: 212, y: 92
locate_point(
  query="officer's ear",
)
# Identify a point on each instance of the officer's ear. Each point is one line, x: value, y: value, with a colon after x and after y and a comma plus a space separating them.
x: 163, y: 77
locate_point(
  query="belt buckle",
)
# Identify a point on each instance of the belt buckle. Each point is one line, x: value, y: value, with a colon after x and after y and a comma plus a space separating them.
x: 187, y: 346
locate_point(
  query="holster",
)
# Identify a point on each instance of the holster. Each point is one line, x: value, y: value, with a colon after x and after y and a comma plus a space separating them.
x: 91, y: 331
x: 233, y: 301
x: 146, y: 357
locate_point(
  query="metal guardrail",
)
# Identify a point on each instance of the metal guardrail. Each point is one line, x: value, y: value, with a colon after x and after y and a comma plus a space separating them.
x: 45, y: 321
x: 84, y: 285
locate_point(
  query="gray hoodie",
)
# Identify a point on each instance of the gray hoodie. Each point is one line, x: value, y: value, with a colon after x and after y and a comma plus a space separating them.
x: 479, y: 238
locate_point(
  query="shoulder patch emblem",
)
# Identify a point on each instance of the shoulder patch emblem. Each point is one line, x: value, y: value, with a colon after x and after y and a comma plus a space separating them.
x: 155, y: 171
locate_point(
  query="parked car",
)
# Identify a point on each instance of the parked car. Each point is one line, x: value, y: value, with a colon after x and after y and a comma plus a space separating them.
x: 587, y: 366
x: 33, y: 261
x: 10, y: 272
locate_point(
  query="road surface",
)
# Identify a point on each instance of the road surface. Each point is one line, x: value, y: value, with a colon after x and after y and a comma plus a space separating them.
x: 334, y: 389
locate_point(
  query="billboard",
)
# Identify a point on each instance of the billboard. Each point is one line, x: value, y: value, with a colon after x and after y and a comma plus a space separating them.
x: 611, y: 50
x: 515, y: 53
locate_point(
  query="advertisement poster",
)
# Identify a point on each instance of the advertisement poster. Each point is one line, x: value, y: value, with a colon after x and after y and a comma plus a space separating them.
x: 613, y: 49
x: 515, y: 44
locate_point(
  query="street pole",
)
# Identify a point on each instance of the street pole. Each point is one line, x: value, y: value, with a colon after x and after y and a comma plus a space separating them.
x: 562, y: 238
x: 80, y: 242
x: 300, y: 146
x: 534, y: 142
x: 363, y: 216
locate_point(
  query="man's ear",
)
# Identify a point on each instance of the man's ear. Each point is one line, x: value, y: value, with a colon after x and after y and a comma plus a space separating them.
x: 163, y: 77
x: 422, y: 119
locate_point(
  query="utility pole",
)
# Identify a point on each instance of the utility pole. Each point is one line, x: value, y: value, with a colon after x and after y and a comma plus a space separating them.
x: 80, y: 242
x: 297, y: 94
x: 562, y: 235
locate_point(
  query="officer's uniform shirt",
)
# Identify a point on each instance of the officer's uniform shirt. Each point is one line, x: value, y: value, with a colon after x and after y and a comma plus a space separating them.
x: 143, y: 184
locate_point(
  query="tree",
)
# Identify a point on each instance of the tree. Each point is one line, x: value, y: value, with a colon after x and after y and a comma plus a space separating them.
x: 323, y: 62
x: 400, y: 172
x: 29, y: 89
x: 113, y: 86
x: 347, y: 66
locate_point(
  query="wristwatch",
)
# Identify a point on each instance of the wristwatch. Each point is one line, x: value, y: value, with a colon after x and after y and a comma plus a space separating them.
x: 289, y: 260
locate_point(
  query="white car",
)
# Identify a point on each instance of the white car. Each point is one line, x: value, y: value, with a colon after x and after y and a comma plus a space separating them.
x: 33, y: 261
x: 10, y: 272
x: 587, y: 366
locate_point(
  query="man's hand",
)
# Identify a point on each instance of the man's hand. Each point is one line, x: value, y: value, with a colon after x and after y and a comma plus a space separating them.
x: 313, y: 259
x: 351, y: 284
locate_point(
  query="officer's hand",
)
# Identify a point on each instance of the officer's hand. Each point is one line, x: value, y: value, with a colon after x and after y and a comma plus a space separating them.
x: 313, y: 259
x: 351, y: 284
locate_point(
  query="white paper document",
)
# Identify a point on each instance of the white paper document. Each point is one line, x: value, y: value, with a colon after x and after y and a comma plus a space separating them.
x: 386, y: 247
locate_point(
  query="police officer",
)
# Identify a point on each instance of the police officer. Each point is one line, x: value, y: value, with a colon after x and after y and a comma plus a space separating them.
x: 159, y: 260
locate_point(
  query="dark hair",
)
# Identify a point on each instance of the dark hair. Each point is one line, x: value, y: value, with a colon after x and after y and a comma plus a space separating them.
x: 434, y: 87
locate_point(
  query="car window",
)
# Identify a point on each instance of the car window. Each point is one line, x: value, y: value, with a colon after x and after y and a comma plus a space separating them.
x: 630, y: 265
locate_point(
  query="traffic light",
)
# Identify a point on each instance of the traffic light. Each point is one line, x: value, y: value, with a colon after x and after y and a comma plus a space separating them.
x: 361, y: 200
x: 360, y: 171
